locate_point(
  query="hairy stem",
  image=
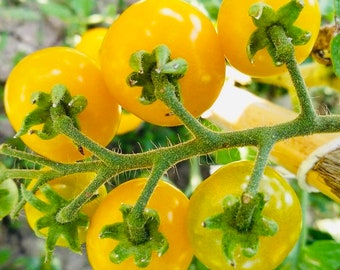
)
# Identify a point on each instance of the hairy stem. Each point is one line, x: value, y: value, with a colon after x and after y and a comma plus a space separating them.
x: 69, y: 212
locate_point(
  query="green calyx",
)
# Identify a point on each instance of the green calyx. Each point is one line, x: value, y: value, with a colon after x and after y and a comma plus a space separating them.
x: 242, y: 223
x: 56, y: 230
x: 49, y: 106
x: 158, y: 62
x: 138, y: 237
x: 270, y: 27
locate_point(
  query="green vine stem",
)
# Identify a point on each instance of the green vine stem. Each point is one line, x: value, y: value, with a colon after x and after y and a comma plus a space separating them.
x: 68, y: 213
x: 135, y: 221
x: 260, y: 164
x: 285, y: 51
x: 119, y: 163
x: 165, y: 93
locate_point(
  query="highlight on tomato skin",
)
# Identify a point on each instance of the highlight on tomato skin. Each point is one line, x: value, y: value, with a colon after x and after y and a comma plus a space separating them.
x: 199, y: 46
x: 41, y: 71
x: 235, y: 26
x: 171, y: 205
x: 282, y: 206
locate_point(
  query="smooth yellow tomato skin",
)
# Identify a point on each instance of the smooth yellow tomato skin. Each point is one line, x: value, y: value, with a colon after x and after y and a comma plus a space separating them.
x: 67, y: 187
x: 91, y: 42
x: 171, y: 205
x: 188, y: 34
x: 282, y: 206
x: 235, y: 27
x: 128, y: 122
x: 43, y: 69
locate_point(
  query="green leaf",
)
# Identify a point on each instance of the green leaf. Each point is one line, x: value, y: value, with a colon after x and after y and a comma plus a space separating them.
x: 225, y: 156
x: 19, y: 13
x: 9, y: 196
x: 336, y: 8
x: 321, y: 255
x: 82, y: 7
x: 3, y: 40
x: 57, y: 10
x: 197, y: 265
x: 5, y: 254
x: 212, y: 7
x: 335, y: 54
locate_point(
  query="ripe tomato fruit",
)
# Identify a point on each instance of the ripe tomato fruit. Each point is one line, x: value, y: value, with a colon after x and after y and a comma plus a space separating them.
x: 188, y: 34
x: 128, y: 122
x: 42, y: 70
x: 235, y: 27
x: 67, y: 187
x: 91, y: 42
x: 171, y: 205
x: 282, y: 206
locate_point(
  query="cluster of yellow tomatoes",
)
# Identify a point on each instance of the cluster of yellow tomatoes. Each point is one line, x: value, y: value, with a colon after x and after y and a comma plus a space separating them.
x: 97, y: 68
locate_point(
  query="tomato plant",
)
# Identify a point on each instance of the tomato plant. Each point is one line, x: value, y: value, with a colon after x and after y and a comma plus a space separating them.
x: 233, y: 16
x: 68, y: 187
x: 187, y: 33
x: 171, y: 205
x: 42, y: 70
x: 282, y: 206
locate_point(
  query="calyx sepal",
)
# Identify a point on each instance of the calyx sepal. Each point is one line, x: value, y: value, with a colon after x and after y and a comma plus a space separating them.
x: 50, y: 209
x: 49, y: 106
x: 242, y: 224
x: 145, y: 65
x: 140, y: 247
x: 264, y: 17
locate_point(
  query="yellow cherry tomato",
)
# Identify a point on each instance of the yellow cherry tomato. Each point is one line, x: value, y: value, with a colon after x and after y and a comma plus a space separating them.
x: 128, y: 122
x: 90, y: 44
x: 235, y: 27
x: 42, y: 70
x: 187, y: 32
x: 282, y: 206
x: 171, y: 205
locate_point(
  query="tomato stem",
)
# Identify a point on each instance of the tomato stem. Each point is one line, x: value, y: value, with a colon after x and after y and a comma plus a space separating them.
x: 68, y: 213
x: 135, y: 221
x: 285, y: 51
x: 164, y: 90
x: 249, y: 199
x: 260, y: 164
